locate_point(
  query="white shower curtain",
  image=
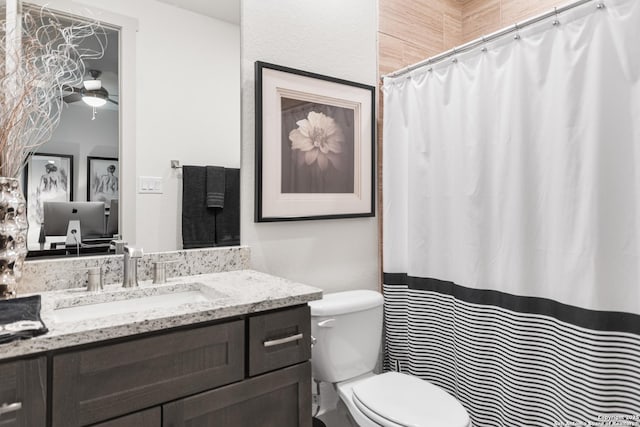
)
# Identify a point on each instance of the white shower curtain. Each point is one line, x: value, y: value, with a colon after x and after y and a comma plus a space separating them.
x: 512, y: 192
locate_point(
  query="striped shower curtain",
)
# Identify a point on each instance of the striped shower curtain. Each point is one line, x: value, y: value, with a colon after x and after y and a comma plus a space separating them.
x: 512, y: 222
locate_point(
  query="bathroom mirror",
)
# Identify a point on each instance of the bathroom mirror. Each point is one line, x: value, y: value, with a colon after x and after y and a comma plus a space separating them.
x: 80, y: 162
x: 178, y: 95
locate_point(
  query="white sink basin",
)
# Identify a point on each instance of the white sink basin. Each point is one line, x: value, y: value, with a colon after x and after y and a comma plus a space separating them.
x: 141, y: 303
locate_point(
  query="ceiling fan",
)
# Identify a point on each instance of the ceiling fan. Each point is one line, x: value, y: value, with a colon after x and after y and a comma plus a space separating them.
x: 91, y: 92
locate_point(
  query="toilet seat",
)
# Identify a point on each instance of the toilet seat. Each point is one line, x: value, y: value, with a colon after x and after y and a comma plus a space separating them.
x: 393, y: 399
x: 373, y: 416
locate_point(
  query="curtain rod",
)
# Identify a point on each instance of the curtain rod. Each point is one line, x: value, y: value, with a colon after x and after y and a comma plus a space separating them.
x: 488, y: 38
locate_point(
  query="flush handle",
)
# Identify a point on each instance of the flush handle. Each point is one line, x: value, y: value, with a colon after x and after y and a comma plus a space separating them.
x: 326, y: 323
x: 283, y: 340
x: 6, y: 408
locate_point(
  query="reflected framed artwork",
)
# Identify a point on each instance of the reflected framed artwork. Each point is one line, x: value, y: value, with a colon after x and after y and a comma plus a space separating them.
x: 47, y: 178
x: 102, y: 179
x: 315, y: 146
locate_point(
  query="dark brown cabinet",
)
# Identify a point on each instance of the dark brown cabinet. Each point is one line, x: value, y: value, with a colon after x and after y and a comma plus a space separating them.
x: 277, y: 399
x: 279, y: 339
x: 246, y: 372
x: 149, y: 418
x: 23, y: 393
x: 112, y: 380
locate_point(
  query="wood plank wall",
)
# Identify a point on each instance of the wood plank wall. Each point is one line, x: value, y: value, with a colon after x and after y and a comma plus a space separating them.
x: 412, y: 30
x: 480, y: 17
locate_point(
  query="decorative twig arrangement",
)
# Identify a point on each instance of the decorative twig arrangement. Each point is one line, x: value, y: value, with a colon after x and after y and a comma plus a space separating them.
x: 42, y: 56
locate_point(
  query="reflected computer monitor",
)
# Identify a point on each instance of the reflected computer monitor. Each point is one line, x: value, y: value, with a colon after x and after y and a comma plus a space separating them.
x: 58, y: 214
x: 112, y: 221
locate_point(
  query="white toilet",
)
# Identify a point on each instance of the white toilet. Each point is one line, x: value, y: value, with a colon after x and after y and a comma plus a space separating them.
x: 347, y: 327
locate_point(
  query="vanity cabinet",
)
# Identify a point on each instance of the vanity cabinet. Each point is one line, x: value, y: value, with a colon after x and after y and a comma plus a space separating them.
x: 253, y: 371
x: 23, y: 393
x: 100, y: 383
x: 278, y: 399
x: 279, y: 339
x: 149, y: 418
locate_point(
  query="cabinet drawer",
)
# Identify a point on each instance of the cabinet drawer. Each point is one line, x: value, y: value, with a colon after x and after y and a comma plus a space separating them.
x: 23, y: 393
x: 102, y: 383
x: 277, y: 399
x: 279, y: 339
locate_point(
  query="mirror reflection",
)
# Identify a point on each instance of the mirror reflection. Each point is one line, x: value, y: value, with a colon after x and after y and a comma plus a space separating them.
x: 168, y: 95
x: 75, y: 175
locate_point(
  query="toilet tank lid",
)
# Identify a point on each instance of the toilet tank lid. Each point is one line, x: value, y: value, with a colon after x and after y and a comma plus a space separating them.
x: 345, y: 302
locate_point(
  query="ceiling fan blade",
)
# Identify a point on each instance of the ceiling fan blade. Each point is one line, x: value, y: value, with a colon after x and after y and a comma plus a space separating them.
x: 112, y: 101
x: 74, y: 97
x: 71, y: 89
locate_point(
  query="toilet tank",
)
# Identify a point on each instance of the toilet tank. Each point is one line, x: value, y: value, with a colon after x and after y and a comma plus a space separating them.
x: 347, y: 327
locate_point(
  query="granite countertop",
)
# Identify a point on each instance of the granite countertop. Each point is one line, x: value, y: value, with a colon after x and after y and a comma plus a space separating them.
x: 194, y: 299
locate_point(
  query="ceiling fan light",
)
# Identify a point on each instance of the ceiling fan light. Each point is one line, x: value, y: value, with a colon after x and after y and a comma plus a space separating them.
x: 93, y: 100
x: 92, y: 84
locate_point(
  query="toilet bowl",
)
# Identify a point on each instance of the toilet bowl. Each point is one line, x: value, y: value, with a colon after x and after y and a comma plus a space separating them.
x: 393, y: 399
x: 347, y: 327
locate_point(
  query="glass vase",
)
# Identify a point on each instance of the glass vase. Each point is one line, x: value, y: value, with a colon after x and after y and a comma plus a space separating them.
x: 13, y: 235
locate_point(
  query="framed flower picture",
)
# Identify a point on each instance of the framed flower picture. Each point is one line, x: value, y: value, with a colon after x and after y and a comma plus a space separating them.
x: 315, y: 146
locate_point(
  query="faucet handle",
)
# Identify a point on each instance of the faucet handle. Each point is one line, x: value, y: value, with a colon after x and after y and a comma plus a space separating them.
x: 160, y: 271
x: 95, y: 280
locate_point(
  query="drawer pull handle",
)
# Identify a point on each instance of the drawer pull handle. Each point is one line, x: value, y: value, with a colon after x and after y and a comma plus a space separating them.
x: 6, y: 408
x: 283, y: 340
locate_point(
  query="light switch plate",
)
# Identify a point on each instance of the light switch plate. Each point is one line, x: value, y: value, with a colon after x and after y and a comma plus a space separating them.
x: 150, y: 185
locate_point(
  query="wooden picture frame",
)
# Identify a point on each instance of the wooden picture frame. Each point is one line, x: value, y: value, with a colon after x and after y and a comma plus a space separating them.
x: 315, y: 146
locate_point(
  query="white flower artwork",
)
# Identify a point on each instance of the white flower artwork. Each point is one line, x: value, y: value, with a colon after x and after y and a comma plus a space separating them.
x: 315, y: 146
x: 320, y: 138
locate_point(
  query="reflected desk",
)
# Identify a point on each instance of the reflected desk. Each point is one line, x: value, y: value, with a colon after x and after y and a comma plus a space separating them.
x: 59, y: 249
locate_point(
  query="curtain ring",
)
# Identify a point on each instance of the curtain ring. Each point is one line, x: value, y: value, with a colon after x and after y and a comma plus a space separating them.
x: 517, y: 36
x: 600, y: 5
x: 484, y: 47
x: 555, y: 21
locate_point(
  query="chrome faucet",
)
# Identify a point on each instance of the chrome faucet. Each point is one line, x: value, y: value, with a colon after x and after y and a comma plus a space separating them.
x: 131, y: 256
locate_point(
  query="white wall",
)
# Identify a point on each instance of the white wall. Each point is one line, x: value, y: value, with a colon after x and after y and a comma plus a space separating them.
x: 330, y: 37
x: 187, y: 106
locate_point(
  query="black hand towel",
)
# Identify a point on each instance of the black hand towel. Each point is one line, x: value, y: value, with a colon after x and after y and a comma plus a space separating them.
x: 20, y: 319
x: 215, y: 186
x: 198, y: 221
x: 228, y: 218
